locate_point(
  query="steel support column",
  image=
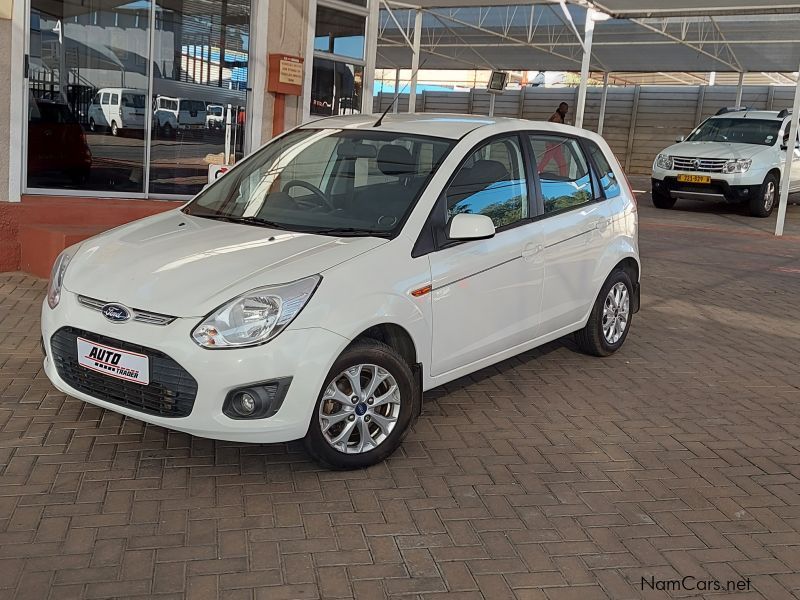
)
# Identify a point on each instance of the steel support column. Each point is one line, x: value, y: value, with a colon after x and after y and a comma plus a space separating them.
x: 787, y: 166
x: 587, y: 58
x: 412, y: 88
x: 602, y: 117
x: 739, y: 89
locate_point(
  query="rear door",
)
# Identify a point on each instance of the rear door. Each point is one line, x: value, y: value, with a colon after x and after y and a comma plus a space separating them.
x: 577, y: 227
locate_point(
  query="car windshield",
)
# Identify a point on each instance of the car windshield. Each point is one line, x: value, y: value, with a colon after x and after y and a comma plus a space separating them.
x: 328, y: 181
x: 763, y: 132
x: 133, y: 100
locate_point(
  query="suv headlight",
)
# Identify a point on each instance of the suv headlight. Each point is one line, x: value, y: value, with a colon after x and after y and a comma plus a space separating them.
x: 663, y: 161
x: 256, y: 316
x: 57, y: 276
x: 739, y: 165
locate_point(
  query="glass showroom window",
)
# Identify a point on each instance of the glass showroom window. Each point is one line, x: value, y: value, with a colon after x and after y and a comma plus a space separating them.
x: 98, y: 82
x: 338, y: 69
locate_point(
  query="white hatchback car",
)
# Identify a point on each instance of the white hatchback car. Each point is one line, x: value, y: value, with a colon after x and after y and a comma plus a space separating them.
x: 318, y: 288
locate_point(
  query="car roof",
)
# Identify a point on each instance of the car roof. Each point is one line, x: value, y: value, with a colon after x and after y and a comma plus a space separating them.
x: 453, y: 126
x: 749, y: 114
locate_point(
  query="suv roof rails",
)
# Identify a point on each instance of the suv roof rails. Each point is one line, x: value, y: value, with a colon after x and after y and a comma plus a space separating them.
x: 784, y: 113
x: 730, y: 109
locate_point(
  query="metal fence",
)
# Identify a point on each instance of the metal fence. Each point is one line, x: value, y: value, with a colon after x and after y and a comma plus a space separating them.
x: 639, y: 120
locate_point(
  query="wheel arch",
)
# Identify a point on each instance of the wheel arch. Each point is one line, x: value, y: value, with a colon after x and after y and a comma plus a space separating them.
x: 393, y: 335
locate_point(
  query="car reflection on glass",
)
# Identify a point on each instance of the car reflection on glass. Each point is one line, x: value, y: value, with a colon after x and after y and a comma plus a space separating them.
x: 56, y: 142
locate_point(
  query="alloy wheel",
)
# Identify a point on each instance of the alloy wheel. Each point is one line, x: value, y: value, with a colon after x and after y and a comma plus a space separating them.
x: 359, y: 408
x: 769, y: 196
x: 616, y: 313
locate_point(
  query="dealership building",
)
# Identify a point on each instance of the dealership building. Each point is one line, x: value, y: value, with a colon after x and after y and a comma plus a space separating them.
x: 75, y: 147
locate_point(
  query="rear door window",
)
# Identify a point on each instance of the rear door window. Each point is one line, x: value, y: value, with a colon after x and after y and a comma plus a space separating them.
x: 564, y: 174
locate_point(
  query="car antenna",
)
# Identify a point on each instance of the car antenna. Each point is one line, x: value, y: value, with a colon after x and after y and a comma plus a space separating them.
x: 397, y: 95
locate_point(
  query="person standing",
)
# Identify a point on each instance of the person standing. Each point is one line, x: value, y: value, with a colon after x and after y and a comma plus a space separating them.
x: 554, y: 151
x: 560, y: 115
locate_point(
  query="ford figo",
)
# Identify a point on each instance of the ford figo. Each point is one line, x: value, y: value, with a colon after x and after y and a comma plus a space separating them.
x: 324, y: 283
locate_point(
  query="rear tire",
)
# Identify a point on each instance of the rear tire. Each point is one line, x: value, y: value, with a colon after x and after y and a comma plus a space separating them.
x: 762, y: 204
x: 610, y: 319
x: 114, y: 129
x: 347, y: 434
x: 662, y: 201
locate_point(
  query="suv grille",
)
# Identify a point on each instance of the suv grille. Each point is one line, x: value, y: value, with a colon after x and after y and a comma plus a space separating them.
x: 170, y: 393
x: 708, y: 165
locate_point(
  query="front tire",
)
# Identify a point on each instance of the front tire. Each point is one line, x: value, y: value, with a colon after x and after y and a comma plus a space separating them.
x: 762, y: 204
x: 114, y: 129
x: 662, y: 201
x: 365, y: 408
x: 610, y: 319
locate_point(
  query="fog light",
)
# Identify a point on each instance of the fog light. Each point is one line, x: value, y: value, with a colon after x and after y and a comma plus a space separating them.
x: 256, y: 401
x: 244, y: 404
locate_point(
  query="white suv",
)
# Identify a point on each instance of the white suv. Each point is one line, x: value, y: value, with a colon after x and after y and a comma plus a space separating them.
x: 737, y: 155
x: 319, y: 287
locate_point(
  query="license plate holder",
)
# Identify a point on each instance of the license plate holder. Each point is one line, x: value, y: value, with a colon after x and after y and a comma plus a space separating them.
x: 705, y: 179
x: 114, y: 362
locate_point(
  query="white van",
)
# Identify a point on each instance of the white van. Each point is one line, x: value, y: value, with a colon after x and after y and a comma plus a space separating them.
x: 117, y: 109
x: 178, y: 114
x: 215, y: 117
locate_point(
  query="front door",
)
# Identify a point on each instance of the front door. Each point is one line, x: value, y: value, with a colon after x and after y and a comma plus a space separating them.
x: 487, y: 293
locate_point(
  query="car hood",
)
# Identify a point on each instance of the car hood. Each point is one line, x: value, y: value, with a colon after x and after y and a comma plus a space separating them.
x: 715, y: 150
x: 186, y: 266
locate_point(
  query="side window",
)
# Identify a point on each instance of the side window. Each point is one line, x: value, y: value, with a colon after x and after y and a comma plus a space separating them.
x: 491, y: 182
x: 96, y: 99
x: 608, y: 180
x: 106, y: 97
x: 563, y: 172
x: 114, y: 99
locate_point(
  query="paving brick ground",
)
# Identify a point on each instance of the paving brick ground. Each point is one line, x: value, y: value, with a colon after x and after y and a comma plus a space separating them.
x: 550, y: 476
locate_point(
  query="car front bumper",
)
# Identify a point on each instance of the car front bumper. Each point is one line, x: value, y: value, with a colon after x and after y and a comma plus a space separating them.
x: 304, y: 355
x: 717, y: 189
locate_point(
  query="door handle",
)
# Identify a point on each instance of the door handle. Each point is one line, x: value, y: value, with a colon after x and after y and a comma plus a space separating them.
x: 531, y: 250
x: 602, y: 224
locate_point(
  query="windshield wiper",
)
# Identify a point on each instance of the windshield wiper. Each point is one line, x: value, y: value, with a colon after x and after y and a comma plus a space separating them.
x: 349, y: 231
x: 245, y: 220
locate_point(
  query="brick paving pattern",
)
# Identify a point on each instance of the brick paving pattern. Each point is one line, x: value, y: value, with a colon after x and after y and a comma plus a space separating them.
x: 550, y: 476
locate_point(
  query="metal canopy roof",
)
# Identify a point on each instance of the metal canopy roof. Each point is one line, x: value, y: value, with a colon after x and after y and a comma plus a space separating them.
x: 631, y: 9
x: 545, y: 36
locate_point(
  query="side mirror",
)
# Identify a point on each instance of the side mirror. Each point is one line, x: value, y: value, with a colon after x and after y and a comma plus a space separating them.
x: 466, y: 226
x: 680, y: 139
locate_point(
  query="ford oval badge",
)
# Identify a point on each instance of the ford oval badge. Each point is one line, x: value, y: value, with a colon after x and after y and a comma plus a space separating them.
x: 116, y: 313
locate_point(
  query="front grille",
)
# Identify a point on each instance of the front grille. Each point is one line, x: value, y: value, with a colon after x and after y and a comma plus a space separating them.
x: 707, y: 165
x: 143, y: 316
x: 170, y: 393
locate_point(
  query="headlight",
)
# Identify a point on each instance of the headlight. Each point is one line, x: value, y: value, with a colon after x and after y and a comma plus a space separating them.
x: 256, y: 316
x: 664, y: 161
x: 737, y: 166
x: 57, y: 276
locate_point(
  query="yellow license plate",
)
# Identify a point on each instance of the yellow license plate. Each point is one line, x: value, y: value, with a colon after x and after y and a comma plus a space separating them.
x: 694, y: 178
